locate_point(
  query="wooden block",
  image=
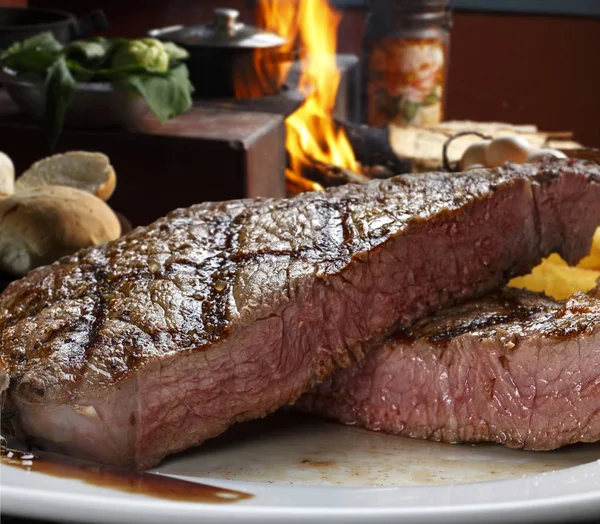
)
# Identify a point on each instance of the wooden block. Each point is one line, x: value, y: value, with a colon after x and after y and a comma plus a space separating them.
x: 206, y: 154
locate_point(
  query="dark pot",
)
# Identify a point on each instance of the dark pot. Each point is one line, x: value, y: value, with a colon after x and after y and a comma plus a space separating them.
x: 19, y: 23
x: 224, y: 50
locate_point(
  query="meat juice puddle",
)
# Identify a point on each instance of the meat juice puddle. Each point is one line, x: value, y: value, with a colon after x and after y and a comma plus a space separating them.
x: 120, y: 479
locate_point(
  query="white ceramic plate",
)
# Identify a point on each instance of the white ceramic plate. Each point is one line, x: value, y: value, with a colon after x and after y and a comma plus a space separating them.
x: 302, y: 470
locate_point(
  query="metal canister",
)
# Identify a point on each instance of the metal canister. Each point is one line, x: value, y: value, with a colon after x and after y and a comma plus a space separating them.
x: 406, y: 48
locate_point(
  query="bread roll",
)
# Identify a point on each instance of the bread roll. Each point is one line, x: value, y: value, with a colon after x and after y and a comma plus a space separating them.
x: 7, y: 176
x: 39, y: 225
x: 89, y: 172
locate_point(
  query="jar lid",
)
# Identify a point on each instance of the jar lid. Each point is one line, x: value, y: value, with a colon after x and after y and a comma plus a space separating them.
x: 223, y: 31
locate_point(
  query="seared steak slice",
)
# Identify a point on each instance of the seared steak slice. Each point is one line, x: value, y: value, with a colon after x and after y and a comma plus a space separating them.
x: 223, y: 312
x: 514, y: 368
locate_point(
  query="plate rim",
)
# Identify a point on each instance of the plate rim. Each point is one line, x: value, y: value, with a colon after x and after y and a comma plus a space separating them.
x: 56, y: 503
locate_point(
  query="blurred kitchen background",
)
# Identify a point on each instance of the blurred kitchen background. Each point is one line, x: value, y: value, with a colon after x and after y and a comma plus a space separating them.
x: 515, y: 61
x: 518, y: 61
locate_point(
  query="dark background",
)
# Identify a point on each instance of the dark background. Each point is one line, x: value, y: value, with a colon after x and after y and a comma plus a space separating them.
x: 511, y: 67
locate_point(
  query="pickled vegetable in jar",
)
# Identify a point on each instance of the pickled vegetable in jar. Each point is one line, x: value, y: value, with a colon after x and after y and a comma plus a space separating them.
x: 406, y: 50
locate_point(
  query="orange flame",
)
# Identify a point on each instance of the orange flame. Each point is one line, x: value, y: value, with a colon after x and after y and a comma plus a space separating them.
x: 269, y: 69
x: 311, y: 133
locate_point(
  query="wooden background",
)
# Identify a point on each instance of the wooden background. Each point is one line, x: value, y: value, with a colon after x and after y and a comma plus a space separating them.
x: 516, y: 68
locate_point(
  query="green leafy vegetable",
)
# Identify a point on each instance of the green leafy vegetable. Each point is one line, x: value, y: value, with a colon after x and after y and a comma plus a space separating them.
x: 176, y: 53
x: 44, y: 41
x: 85, y: 74
x: 167, y: 96
x: 148, y: 66
x: 148, y: 53
x: 60, y: 89
x: 34, y: 55
x: 90, y: 53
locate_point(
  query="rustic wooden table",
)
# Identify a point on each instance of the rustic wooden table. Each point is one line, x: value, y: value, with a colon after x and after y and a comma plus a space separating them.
x: 209, y: 153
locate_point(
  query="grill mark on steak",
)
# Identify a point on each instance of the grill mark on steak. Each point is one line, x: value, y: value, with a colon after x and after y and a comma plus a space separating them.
x: 226, y: 311
x: 506, y: 309
x: 515, y: 368
x: 99, y: 315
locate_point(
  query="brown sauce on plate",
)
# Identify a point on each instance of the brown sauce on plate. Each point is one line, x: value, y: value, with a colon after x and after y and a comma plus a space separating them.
x: 151, y: 485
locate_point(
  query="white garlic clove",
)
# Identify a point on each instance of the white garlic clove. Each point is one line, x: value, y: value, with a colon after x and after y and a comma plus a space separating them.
x: 507, y: 148
x: 538, y: 154
x: 474, y: 154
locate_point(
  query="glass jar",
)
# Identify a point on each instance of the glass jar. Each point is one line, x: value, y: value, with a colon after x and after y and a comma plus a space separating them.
x: 406, y: 48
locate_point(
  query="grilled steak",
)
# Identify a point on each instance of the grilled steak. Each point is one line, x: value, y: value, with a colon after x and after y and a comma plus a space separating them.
x: 515, y: 368
x: 223, y: 312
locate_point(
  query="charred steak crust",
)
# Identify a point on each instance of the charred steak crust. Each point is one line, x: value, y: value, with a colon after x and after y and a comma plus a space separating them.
x: 223, y: 312
x: 515, y: 368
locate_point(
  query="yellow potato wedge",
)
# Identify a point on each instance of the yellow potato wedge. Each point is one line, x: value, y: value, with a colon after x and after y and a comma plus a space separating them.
x: 555, y: 278
x: 596, y: 242
x: 591, y: 262
x: 558, y: 280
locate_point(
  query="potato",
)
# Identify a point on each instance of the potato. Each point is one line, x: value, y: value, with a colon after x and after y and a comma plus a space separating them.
x: 596, y: 242
x: 555, y: 278
x: 558, y: 280
x: 592, y: 261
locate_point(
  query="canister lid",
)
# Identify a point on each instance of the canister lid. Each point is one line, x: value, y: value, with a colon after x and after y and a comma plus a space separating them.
x: 223, y: 31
